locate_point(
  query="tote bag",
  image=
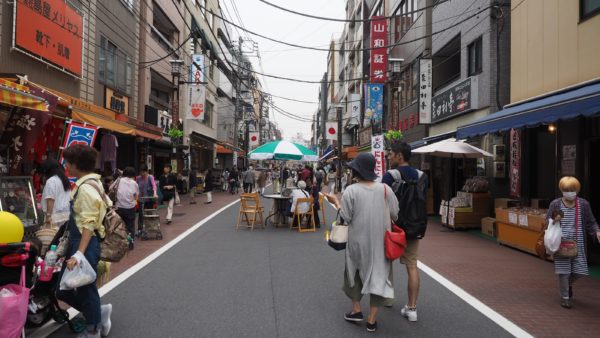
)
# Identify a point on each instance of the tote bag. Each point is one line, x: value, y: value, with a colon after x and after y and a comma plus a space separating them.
x: 13, y: 308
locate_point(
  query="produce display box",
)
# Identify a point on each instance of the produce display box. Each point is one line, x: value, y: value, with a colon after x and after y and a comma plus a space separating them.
x: 517, y: 237
x: 522, y: 219
x: 488, y: 226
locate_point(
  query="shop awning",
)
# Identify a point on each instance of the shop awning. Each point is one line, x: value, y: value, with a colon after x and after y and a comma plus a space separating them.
x: 151, y: 136
x: 103, y: 122
x: 223, y: 150
x: 584, y: 101
x: 14, y: 94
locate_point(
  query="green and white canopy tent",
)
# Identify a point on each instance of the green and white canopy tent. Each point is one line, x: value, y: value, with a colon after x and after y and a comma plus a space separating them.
x: 283, y: 151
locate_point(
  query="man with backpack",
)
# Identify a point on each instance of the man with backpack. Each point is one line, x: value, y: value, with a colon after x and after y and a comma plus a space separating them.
x: 410, y: 186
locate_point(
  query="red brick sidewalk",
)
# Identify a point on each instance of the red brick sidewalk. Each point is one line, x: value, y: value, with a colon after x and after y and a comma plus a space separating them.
x: 521, y: 287
x: 184, y: 216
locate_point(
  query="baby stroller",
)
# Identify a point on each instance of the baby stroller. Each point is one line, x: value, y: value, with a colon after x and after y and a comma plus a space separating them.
x: 16, y: 265
x: 151, y: 219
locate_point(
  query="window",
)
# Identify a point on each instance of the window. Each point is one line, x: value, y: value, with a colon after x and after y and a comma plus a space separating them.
x: 211, y: 69
x: 409, y: 83
x: 129, y: 4
x: 446, y: 64
x: 115, y: 69
x: 208, y: 114
x: 474, y: 50
x: 404, y: 17
x: 588, y: 8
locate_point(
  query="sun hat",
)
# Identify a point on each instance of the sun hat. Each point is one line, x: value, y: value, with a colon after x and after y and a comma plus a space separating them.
x: 364, y: 164
x: 301, y: 184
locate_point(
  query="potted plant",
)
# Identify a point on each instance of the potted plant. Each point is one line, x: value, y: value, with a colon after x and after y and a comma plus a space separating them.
x: 392, y: 136
x: 176, y: 135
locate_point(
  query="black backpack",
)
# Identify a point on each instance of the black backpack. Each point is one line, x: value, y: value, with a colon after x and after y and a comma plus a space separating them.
x: 412, y: 202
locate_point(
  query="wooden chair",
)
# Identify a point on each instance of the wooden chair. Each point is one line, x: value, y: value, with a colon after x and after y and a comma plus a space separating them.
x: 322, y: 205
x: 299, y: 217
x: 251, y: 211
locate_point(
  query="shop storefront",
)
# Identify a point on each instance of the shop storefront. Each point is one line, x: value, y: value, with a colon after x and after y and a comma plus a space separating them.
x: 547, y: 138
x: 32, y: 121
x: 202, y: 151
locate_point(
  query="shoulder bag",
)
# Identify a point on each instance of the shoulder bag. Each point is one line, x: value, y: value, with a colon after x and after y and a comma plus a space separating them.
x: 338, y: 236
x: 568, y: 247
x: 395, y: 240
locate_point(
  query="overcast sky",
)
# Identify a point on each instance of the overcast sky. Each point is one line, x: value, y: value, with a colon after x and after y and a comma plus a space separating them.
x: 282, y: 60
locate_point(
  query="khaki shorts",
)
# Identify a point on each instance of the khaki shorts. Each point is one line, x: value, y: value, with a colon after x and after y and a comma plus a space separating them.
x: 411, y: 253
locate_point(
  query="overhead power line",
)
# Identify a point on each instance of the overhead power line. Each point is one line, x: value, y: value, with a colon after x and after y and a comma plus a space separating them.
x: 346, y: 50
x: 348, y: 20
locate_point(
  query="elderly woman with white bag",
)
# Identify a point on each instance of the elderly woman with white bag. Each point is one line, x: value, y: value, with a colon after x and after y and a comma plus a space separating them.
x: 368, y: 209
x: 570, y: 261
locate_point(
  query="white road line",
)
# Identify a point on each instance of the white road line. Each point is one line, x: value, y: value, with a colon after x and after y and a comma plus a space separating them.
x: 52, y: 326
x: 497, y: 318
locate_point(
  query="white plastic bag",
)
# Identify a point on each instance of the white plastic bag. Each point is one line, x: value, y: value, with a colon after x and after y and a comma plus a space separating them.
x: 81, y: 275
x: 552, y: 237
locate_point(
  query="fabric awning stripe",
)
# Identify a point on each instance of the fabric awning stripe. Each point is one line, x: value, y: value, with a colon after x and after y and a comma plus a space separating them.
x: 15, y: 94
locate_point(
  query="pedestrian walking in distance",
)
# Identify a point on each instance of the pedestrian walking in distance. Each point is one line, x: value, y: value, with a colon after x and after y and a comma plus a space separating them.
x: 208, y: 186
x: 193, y: 182
x: 127, y: 191
x: 147, y: 186
x: 261, y: 182
x: 168, y: 184
x: 578, y: 219
x: 85, y: 221
x: 402, y: 178
x: 367, y: 271
x: 249, y: 179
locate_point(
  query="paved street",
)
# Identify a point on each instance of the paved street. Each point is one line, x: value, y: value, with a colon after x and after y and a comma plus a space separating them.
x: 267, y: 283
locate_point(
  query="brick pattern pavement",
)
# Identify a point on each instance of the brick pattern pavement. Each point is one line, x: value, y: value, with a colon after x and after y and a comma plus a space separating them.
x: 520, y: 286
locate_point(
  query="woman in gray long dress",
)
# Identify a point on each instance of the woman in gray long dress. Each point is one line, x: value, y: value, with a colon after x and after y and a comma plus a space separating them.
x: 368, y: 208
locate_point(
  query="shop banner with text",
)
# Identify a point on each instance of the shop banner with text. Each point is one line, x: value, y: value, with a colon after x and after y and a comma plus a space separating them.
x: 515, y: 163
x: 377, y: 149
x: 197, y: 68
x: 195, y: 104
x: 379, y: 41
x: 50, y: 30
x: 373, y: 101
x: 425, y: 91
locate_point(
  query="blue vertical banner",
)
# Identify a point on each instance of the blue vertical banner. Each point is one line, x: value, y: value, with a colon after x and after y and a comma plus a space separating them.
x: 197, y: 74
x: 374, y: 101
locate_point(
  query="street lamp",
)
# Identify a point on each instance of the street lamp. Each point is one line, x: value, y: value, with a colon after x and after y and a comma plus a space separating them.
x: 175, y: 73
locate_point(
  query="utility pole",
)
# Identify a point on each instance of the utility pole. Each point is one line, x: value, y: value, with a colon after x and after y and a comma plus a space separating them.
x: 340, y: 146
x: 238, y: 90
x: 323, y: 110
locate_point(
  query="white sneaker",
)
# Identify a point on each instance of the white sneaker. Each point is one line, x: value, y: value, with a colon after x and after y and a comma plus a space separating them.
x: 409, y: 314
x: 106, y: 311
x: 87, y: 334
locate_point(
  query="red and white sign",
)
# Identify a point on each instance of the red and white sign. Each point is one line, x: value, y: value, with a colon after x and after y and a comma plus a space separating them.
x: 253, y: 139
x: 51, y: 31
x: 377, y: 149
x: 331, y: 131
x: 515, y: 163
x: 379, y: 41
x: 196, y: 101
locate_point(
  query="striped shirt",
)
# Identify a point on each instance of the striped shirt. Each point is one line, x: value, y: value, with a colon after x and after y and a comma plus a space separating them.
x: 578, y: 264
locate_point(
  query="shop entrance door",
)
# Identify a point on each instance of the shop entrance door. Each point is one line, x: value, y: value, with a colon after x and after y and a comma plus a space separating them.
x: 593, y: 180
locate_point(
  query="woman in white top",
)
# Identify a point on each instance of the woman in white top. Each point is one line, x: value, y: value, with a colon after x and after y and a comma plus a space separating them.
x: 127, y: 191
x: 56, y: 194
x: 300, y: 193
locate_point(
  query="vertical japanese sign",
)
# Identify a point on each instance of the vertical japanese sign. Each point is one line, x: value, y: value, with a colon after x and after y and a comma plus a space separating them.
x: 374, y: 101
x: 379, y: 41
x: 355, y: 106
x: 425, y: 79
x: 50, y: 30
x: 235, y: 159
x: 195, y: 103
x: 377, y: 149
x: 515, y: 163
x: 197, y: 73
